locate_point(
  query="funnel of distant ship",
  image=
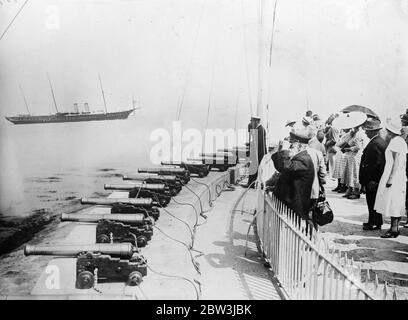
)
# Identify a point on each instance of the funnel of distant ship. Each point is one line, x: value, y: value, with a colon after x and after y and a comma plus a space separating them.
x: 75, y: 116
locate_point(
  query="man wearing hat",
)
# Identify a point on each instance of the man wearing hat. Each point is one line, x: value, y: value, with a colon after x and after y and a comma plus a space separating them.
x: 371, y: 169
x: 257, y: 147
x: 302, y: 172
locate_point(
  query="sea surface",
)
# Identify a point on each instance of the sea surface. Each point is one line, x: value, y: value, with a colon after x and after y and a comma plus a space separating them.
x: 47, y: 168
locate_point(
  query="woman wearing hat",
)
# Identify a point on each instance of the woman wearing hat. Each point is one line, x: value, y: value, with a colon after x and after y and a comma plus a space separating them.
x: 390, y: 199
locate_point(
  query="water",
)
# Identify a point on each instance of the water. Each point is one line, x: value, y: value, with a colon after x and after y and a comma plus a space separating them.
x: 326, y: 55
x: 47, y: 168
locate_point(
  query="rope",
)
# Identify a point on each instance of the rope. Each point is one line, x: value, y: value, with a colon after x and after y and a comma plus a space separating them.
x: 172, y: 215
x: 12, y: 21
x: 246, y: 55
x: 212, y: 74
x: 273, y: 31
x: 190, y: 62
x: 198, y: 292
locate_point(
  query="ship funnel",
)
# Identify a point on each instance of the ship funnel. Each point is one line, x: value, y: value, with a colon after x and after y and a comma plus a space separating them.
x: 86, y: 106
x: 76, y: 110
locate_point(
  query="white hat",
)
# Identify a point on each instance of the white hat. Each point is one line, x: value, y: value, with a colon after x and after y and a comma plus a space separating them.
x: 349, y: 120
x: 393, y: 125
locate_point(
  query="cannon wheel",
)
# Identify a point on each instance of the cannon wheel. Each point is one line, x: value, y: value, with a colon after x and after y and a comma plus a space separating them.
x: 141, y: 241
x: 102, y: 238
x: 201, y: 174
x: 135, y: 278
x: 85, y: 280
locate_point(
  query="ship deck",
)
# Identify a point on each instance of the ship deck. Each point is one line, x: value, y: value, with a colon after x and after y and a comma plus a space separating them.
x: 230, y: 264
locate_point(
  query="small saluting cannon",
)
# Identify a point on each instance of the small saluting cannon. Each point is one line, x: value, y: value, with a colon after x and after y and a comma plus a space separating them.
x: 200, y: 169
x: 181, y: 173
x: 99, y: 262
x: 221, y: 160
x: 159, y: 192
x: 117, y: 228
x: 242, y: 152
x: 147, y: 206
x: 172, y: 181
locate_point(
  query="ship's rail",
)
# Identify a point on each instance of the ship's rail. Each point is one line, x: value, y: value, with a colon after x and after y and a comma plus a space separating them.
x: 305, y: 264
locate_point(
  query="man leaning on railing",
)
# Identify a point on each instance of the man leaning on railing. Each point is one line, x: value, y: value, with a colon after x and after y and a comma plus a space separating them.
x: 301, y: 172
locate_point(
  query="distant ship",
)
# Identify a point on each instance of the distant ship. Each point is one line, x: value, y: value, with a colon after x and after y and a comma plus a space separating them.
x: 75, y: 116
x: 69, y: 117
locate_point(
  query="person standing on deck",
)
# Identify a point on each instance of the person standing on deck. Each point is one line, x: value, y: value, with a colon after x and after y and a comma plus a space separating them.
x: 257, y: 148
x: 404, y: 123
x: 371, y: 168
x: 266, y: 167
x: 294, y: 185
x: 390, y: 199
x: 332, y: 136
x: 317, y: 144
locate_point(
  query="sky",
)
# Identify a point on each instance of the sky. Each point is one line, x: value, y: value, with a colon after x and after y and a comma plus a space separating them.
x: 204, y: 55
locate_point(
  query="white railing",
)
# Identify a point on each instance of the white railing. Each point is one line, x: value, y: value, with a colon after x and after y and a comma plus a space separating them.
x: 304, y: 263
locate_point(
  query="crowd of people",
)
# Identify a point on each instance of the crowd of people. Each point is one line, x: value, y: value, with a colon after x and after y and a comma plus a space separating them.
x: 364, y: 156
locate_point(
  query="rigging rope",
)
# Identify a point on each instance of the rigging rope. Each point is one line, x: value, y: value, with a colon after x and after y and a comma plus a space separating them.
x: 212, y: 73
x: 272, y: 34
x: 190, y: 62
x: 12, y: 21
x: 246, y: 55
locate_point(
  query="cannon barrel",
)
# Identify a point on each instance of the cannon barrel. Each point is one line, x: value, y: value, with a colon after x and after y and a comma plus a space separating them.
x: 162, y: 169
x: 234, y: 150
x: 173, y: 163
x: 142, y: 202
x: 134, y: 218
x: 121, y: 250
x: 131, y: 186
x: 182, y: 164
x: 209, y: 160
x: 150, y: 176
x: 217, y: 154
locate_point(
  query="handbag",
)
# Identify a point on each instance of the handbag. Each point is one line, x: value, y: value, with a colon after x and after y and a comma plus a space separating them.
x: 322, y: 213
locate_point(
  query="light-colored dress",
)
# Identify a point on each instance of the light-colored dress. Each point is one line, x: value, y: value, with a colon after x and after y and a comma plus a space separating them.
x: 391, y: 201
x: 353, y: 159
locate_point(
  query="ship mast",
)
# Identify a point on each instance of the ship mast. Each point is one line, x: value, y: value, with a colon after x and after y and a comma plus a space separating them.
x: 103, y: 93
x: 259, y: 106
x: 52, y: 92
x: 25, y: 101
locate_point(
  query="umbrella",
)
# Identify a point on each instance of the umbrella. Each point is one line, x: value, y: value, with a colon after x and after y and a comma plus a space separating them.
x: 349, y: 120
x: 362, y: 109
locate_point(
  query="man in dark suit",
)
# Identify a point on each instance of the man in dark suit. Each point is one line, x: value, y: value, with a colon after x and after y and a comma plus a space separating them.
x: 257, y: 147
x: 296, y: 175
x: 371, y: 169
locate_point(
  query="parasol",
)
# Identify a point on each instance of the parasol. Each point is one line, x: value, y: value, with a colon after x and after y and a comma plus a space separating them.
x: 362, y: 109
x: 349, y: 120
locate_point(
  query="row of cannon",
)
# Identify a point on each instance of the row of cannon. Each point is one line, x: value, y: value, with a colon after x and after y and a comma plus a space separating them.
x: 129, y: 226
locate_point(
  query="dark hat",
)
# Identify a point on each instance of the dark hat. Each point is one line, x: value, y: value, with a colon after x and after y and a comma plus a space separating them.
x: 307, y: 120
x: 316, y: 117
x: 404, y: 117
x: 289, y: 122
x: 309, y: 113
x: 372, y: 124
x: 298, y: 138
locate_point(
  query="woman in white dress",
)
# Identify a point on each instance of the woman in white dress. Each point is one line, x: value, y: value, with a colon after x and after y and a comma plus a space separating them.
x: 390, y: 199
